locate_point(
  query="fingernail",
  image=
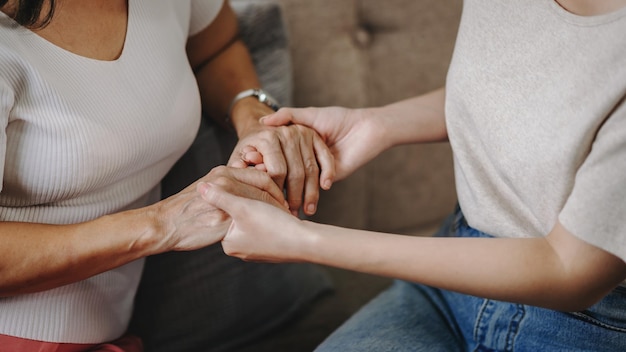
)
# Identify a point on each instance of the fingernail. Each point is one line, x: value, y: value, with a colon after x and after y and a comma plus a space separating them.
x: 262, y: 119
x: 310, y: 209
x: 286, y: 204
x: 327, y: 184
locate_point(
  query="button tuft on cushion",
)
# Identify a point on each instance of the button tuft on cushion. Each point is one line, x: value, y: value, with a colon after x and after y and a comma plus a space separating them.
x: 362, y: 37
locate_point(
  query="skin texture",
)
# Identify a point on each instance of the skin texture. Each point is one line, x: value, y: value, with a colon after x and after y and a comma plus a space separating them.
x: 558, y: 271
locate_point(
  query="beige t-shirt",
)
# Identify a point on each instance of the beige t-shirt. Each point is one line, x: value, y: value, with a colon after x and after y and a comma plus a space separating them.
x: 537, y: 120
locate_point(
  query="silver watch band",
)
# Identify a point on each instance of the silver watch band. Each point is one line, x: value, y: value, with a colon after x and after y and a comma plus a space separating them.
x: 260, y: 94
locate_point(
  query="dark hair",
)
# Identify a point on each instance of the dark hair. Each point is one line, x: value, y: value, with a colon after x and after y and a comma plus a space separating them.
x: 28, y: 12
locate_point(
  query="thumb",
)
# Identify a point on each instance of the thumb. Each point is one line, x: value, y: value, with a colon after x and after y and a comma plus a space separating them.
x: 219, y: 198
x: 285, y: 116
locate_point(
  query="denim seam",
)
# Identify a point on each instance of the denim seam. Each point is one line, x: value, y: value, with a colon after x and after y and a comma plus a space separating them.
x: 591, y: 320
x: 514, y: 327
x: 479, y: 320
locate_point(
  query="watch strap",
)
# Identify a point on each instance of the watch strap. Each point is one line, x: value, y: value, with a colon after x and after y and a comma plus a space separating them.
x: 263, y: 97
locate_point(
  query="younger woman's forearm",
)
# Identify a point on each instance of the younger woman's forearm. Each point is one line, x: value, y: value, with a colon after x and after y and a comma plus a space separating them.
x: 416, y: 120
x: 525, y: 270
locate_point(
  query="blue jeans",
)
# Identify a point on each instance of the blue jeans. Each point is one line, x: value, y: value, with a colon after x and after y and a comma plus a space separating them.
x: 414, y: 317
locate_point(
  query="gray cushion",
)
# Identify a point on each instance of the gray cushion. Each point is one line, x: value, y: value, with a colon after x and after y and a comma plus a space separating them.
x: 204, y: 300
x: 262, y: 28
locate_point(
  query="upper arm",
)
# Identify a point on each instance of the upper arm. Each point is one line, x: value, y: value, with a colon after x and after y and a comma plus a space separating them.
x: 595, y: 208
x: 211, y: 40
x: 591, y: 231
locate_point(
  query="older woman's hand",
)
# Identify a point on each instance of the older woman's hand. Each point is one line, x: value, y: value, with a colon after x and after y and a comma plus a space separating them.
x: 189, y: 222
x: 352, y: 138
x: 294, y: 156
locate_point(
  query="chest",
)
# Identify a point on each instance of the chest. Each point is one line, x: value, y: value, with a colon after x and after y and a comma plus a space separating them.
x: 78, y: 125
x: 95, y: 29
x: 534, y: 98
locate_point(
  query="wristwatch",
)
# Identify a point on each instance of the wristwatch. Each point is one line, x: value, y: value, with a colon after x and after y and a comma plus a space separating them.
x: 260, y: 94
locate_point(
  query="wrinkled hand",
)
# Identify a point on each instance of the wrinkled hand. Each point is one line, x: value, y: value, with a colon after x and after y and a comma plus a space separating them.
x: 294, y: 156
x: 188, y: 222
x: 346, y: 132
x: 259, y: 232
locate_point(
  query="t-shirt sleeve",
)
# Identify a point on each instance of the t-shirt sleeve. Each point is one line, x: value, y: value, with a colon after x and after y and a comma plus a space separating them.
x: 203, y: 12
x: 6, y: 102
x: 596, y: 208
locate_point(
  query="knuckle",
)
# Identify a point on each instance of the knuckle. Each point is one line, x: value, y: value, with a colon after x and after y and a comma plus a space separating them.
x: 223, y: 182
x: 295, y: 202
x: 265, y: 178
x: 289, y: 131
x: 278, y: 171
x: 262, y: 138
x: 303, y: 129
x: 218, y: 170
x: 268, y: 135
x: 296, y: 174
x: 311, y: 167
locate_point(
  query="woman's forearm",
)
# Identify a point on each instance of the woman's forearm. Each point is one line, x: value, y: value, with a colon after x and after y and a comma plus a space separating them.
x: 530, y: 270
x: 415, y: 120
x: 37, y: 257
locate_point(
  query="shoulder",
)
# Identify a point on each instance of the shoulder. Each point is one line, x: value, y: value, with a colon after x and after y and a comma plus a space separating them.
x: 203, y: 12
x: 191, y: 15
x: 14, y: 64
x: 18, y: 73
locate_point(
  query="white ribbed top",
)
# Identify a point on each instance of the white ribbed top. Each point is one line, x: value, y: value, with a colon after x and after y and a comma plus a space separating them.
x: 82, y: 138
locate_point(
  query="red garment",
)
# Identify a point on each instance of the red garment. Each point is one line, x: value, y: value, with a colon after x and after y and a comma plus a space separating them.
x: 126, y: 343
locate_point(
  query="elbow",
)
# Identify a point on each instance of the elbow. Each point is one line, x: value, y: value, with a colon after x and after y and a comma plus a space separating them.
x: 574, y: 303
x: 575, y: 297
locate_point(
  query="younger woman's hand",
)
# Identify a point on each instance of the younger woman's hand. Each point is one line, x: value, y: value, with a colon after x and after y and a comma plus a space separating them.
x: 259, y: 231
x: 351, y: 137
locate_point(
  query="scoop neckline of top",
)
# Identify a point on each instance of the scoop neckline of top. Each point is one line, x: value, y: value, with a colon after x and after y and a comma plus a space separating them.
x: 593, y: 20
x: 60, y: 50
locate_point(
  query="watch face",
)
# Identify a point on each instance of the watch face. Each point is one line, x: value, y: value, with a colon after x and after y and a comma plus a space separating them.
x: 266, y: 99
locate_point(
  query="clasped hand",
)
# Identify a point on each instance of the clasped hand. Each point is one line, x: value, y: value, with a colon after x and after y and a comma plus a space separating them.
x: 261, y: 232
x: 187, y: 222
x: 295, y: 157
